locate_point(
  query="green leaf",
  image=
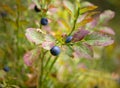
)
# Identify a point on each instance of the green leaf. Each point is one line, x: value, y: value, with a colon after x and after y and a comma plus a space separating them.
x: 66, y: 25
x: 49, y: 42
x: 31, y: 56
x: 83, y: 50
x: 84, y: 19
x: 34, y: 35
x: 98, y: 39
x: 69, y: 7
x: 83, y: 22
x: 86, y: 9
x: 107, y: 30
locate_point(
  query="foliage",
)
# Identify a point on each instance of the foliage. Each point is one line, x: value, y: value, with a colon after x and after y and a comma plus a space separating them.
x: 31, y: 63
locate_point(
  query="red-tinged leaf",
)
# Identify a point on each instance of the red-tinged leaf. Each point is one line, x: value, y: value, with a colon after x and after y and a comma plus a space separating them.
x: 69, y: 6
x: 98, y: 39
x: 31, y: 56
x: 49, y: 38
x: 49, y: 42
x: 90, y: 14
x: 107, y: 30
x: 82, y: 17
x: 52, y: 9
x: 47, y: 29
x: 48, y: 45
x: 83, y: 50
x: 92, y: 24
x: 34, y: 35
x: 106, y: 16
x: 83, y: 22
x: 52, y: 6
x: 79, y: 35
x: 86, y: 9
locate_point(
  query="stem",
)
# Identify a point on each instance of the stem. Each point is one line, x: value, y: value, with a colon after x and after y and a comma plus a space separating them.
x: 75, y: 21
x: 51, y: 66
x: 17, y: 34
x: 47, y: 62
x: 41, y: 70
x: 41, y: 74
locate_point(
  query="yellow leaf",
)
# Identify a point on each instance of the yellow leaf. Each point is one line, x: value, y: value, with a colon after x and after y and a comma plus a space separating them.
x: 66, y: 25
x: 86, y: 9
x: 69, y: 7
x: 83, y: 22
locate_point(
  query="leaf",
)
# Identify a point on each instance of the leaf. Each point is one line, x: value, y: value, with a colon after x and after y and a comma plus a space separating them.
x: 48, y: 45
x: 79, y: 35
x: 49, y: 42
x: 83, y: 22
x: 92, y: 24
x: 67, y: 50
x: 106, y: 16
x: 65, y: 24
x: 86, y: 9
x: 107, y: 30
x: 31, y: 56
x: 86, y: 3
x: 69, y: 6
x: 35, y: 35
x: 98, y: 39
x: 83, y: 50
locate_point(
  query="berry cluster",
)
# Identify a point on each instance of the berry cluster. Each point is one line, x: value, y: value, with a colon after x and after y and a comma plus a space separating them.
x: 55, y: 50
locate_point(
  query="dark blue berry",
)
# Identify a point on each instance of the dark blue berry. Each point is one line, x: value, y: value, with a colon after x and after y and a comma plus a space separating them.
x: 6, y: 69
x: 44, y: 21
x: 36, y: 9
x: 55, y: 50
x: 3, y: 14
x: 68, y: 39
